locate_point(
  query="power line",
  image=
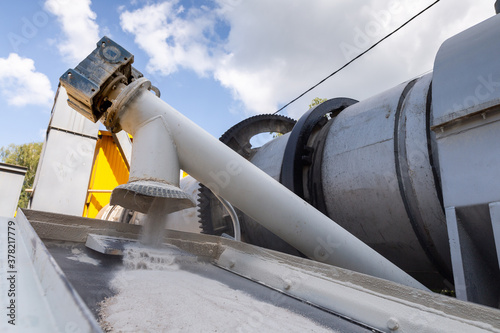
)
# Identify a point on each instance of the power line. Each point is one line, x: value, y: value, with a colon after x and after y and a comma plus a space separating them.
x: 358, y: 56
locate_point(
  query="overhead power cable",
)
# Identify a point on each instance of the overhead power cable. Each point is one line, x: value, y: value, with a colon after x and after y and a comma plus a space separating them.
x: 358, y: 56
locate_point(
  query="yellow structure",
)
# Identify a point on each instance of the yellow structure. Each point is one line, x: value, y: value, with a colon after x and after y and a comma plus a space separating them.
x: 109, y: 170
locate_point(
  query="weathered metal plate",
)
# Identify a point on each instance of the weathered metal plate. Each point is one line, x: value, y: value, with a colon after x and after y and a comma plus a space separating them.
x: 11, y: 182
x: 107, y: 244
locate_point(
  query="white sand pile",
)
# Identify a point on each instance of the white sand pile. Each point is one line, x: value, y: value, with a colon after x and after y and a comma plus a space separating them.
x: 153, y: 295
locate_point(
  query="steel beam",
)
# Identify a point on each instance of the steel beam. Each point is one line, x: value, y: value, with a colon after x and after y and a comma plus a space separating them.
x: 474, y: 281
x: 495, y: 224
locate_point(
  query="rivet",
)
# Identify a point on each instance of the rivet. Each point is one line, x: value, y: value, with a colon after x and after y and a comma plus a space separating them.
x: 392, y: 324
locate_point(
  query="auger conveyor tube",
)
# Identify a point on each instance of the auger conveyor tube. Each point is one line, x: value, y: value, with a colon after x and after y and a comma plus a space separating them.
x: 247, y: 187
x: 258, y: 195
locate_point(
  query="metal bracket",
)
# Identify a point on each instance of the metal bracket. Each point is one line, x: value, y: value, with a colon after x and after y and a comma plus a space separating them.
x: 85, y: 83
x: 474, y: 282
x: 495, y: 223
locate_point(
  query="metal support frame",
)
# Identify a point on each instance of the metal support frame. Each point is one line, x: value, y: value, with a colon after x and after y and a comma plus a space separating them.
x: 124, y: 145
x: 474, y: 282
x: 495, y: 224
x: 234, y: 217
x: 466, y: 122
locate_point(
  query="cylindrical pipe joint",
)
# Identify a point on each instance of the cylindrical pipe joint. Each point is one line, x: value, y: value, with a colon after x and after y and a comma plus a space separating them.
x: 101, y: 87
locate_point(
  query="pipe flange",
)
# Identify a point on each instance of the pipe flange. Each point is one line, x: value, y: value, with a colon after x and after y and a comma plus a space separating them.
x: 138, y: 195
x: 298, y: 152
x: 128, y: 93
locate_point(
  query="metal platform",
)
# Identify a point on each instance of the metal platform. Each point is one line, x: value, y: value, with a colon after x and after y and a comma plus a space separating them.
x: 337, y: 299
x: 92, y: 283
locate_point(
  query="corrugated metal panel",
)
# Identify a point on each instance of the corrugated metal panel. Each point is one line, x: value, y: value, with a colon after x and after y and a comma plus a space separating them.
x: 109, y: 171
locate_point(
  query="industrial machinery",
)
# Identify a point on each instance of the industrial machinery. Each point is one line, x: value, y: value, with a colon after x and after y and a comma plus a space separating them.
x: 385, y: 169
x: 411, y: 172
x: 372, y: 203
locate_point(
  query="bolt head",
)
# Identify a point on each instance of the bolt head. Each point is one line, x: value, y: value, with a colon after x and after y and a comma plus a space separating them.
x: 392, y: 324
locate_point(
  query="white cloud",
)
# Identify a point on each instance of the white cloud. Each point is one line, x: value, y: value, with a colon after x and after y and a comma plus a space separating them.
x: 80, y: 30
x: 169, y: 40
x: 277, y: 49
x: 21, y: 84
x: 280, y: 48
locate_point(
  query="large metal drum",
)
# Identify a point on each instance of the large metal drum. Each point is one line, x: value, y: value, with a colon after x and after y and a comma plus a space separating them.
x: 379, y: 181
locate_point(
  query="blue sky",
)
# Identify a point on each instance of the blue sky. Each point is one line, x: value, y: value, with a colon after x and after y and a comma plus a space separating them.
x: 220, y: 61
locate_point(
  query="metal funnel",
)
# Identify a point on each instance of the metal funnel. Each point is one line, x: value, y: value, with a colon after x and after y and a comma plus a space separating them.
x: 139, y: 195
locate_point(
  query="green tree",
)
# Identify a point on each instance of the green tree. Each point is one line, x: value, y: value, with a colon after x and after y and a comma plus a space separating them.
x: 26, y: 155
x: 317, y: 101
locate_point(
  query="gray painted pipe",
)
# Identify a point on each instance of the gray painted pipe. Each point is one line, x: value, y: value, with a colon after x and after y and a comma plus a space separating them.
x: 248, y: 188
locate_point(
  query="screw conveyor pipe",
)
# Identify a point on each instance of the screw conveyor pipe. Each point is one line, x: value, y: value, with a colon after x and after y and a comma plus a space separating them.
x: 254, y: 192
